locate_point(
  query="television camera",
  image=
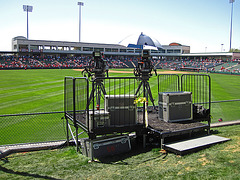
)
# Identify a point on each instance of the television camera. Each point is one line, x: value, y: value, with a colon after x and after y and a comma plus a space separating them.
x: 145, y: 66
x: 97, y: 69
x: 144, y: 72
x: 97, y: 66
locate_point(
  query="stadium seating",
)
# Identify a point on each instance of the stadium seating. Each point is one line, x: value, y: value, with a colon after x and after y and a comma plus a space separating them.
x: 38, y: 62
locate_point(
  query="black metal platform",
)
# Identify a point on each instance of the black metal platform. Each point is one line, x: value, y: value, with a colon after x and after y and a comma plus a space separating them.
x: 81, y: 121
x: 80, y: 109
x: 167, y: 129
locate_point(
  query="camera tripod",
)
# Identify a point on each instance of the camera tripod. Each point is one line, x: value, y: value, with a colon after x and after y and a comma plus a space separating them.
x: 97, y: 69
x: 99, y: 89
x: 146, y: 88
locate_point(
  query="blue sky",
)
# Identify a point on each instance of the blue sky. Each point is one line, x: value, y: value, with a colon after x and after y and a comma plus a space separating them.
x: 202, y: 24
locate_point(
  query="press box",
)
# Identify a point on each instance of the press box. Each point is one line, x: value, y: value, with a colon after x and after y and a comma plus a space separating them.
x: 175, y: 106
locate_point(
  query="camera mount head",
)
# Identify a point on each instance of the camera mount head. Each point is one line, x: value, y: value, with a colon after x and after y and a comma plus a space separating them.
x: 97, y: 66
x: 97, y: 55
x: 145, y: 66
x: 145, y: 54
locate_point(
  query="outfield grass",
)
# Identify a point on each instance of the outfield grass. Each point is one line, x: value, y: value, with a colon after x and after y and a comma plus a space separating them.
x: 29, y: 91
x: 225, y: 87
x: 221, y: 161
x: 42, y: 91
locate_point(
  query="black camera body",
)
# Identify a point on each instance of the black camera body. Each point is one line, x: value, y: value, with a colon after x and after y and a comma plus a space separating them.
x: 97, y: 66
x: 100, y: 65
x: 145, y: 66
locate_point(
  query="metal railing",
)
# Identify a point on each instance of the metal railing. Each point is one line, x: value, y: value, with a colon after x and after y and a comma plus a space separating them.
x: 84, y: 102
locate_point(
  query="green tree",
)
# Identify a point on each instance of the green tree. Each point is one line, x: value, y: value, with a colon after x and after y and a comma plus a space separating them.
x: 234, y: 50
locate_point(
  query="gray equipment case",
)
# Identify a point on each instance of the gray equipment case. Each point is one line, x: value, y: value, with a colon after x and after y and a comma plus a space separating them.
x: 175, y: 106
x: 105, y: 146
x: 101, y: 119
x: 123, y: 111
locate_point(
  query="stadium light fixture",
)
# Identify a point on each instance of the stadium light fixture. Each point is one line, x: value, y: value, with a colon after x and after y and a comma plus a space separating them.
x: 231, y: 1
x: 80, y: 5
x: 27, y: 9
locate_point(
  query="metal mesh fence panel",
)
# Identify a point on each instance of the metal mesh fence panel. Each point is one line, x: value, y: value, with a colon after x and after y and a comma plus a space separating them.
x: 112, y: 86
x: 168, y: 82
x: 103, y: 106
x: 31, y: 128
x: 68, y: 95
x: 81, y: 94
x: 200, y: 86
x: 116, y: 96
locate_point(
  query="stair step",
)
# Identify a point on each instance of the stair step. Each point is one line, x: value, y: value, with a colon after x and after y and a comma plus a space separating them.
x: 195, y: 144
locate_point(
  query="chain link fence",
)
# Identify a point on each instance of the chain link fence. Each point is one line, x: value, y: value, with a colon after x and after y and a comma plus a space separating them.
x: 51, y: 126
x: 226, y: 110
x: 32, y: 128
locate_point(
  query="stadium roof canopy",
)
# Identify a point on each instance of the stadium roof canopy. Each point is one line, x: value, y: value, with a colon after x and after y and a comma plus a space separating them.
x: 19, y: 37
x: 140, y: 42
x: 175, y: 44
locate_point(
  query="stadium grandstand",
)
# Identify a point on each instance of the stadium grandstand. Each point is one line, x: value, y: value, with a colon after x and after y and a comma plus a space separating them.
x: 61, y: 54
x: 52, y: 62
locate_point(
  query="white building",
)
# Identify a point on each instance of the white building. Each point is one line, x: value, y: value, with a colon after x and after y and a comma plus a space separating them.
x: 23, y: 45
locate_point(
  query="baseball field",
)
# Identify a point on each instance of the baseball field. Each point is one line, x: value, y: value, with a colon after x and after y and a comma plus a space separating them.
x: 31, y: 91
x: 41, y: 91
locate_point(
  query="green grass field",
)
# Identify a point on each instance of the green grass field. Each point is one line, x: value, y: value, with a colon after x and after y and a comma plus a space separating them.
x: 30, y: 91
x: 33, y: 91
x: 221, y: 161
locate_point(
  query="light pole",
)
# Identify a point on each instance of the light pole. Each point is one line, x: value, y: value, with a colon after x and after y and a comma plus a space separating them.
x: 222, y: 47
x: 80, y: 5
x: 27, y: 9
x: 231, y: 1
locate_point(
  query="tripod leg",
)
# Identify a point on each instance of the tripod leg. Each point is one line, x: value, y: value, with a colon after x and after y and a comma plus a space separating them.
x: 150, y: 93
x: 92, y: 93
x: 103, y: 89
x: 97, y: 88
x: 139, y: 86
x: 98, y: 95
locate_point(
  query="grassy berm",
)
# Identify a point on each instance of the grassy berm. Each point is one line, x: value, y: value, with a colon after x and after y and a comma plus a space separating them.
x: 221, y: 161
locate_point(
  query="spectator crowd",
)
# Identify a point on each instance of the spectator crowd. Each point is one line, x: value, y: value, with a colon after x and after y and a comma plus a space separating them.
x: 38, y: 62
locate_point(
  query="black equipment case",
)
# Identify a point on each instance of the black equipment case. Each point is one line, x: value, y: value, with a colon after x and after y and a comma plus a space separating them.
x: 105, y: 146
x: 123, y: 111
